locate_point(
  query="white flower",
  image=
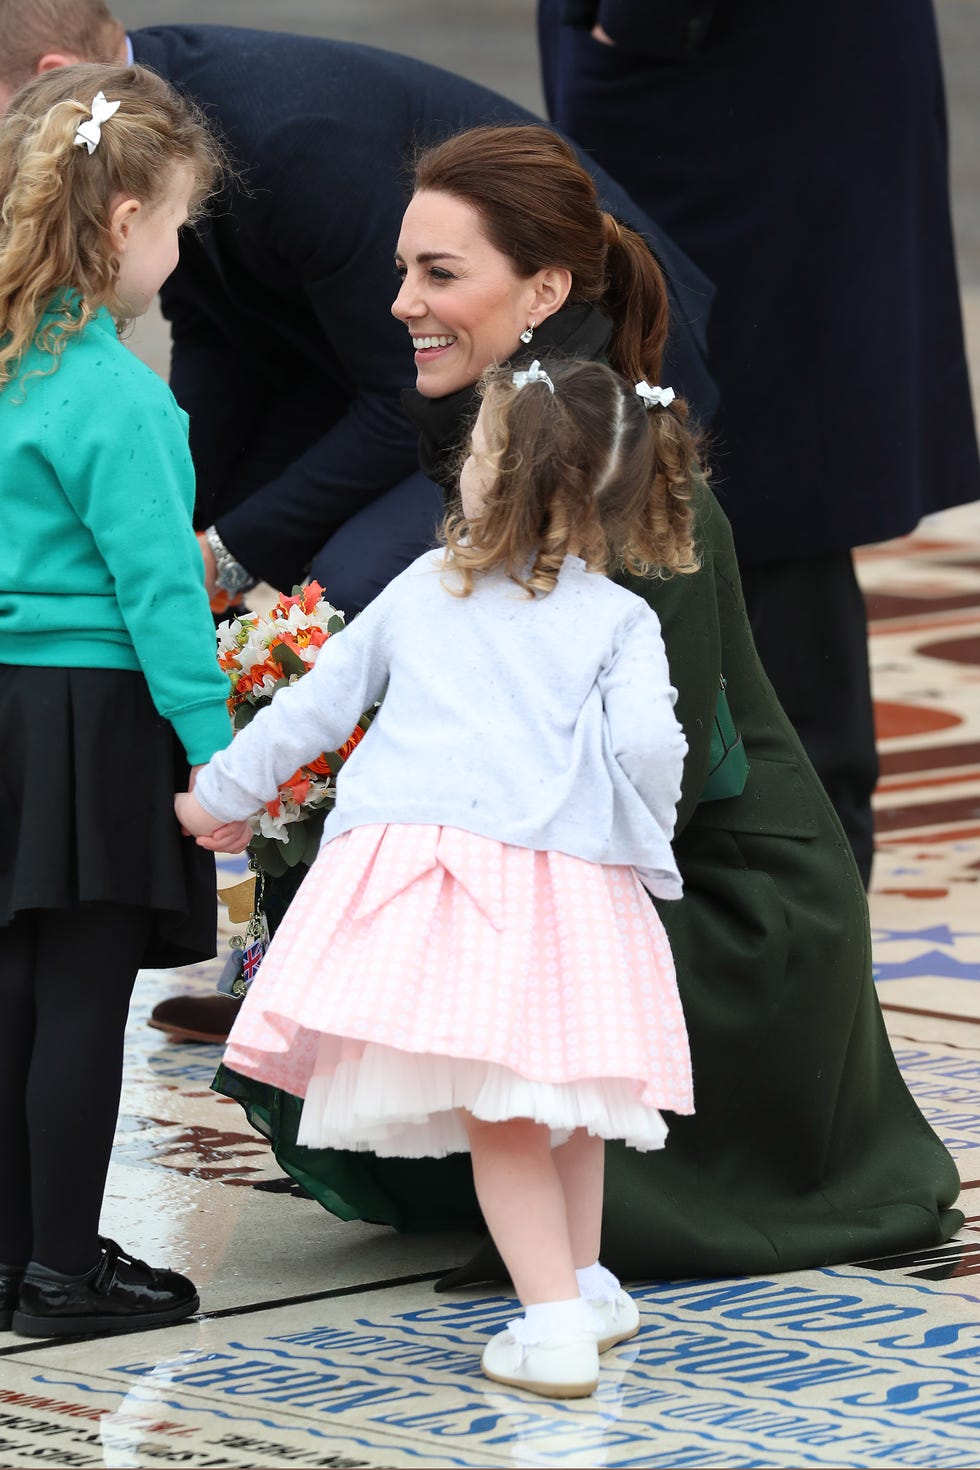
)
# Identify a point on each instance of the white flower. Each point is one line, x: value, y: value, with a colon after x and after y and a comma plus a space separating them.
x: 253, y: 651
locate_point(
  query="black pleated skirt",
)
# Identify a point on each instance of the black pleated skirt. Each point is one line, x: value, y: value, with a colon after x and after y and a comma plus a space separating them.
x: 88, y: 770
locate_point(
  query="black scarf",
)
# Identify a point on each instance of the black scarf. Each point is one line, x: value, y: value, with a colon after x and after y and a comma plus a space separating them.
x: 443, y: 423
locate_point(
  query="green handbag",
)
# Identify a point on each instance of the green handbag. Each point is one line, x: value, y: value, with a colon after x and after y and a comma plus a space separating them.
x: 728, y: 765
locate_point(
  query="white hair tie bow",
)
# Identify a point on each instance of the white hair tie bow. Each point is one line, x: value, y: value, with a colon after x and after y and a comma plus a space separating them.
x: 534, y: 374
x: 655, y: 397
x: 88, y: 133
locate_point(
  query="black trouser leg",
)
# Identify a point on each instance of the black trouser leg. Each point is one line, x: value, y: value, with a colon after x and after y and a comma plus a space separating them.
x: 810, y: 626
x: 79, y: 967
x: 16, y: 1044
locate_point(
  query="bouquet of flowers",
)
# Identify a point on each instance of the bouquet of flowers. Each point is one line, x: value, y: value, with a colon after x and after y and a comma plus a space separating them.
x: 261, y: 654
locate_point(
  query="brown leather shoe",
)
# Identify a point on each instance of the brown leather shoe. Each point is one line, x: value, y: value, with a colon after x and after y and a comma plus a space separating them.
x: 196, y: 1017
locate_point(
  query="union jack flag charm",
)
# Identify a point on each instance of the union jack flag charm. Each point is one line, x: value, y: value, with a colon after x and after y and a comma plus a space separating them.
x: 251, y: 959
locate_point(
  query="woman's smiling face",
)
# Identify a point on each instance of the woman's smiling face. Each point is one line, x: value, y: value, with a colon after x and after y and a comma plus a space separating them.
x: 460, y: 297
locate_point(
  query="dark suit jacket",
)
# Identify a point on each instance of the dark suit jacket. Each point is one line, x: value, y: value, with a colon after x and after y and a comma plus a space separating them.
x: 798, y: 154
x: 285, y: 352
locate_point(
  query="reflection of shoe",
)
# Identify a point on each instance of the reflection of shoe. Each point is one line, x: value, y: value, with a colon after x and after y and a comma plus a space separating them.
x: 616, y: 1319
x: 9, y: 1290
x: 558, y: 1368
x: 196, y: 1017
x: 586, y: 1439
x: 119, y: 1294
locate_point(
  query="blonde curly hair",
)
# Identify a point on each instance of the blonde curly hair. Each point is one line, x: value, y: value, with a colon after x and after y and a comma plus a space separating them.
x: 57, y: 198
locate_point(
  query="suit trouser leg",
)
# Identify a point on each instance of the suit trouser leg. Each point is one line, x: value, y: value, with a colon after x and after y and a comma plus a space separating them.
x: 810, y: 626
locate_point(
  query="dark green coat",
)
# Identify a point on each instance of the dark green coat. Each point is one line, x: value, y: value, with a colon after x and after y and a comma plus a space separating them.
x: 806, y: 1147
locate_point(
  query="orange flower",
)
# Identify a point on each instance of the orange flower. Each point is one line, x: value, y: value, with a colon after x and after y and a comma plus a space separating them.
x: 299, y: 788
x: 312, y: 593
x: 355, y: 738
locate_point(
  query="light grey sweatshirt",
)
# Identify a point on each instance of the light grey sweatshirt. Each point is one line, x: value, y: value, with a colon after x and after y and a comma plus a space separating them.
x: 546, y: 722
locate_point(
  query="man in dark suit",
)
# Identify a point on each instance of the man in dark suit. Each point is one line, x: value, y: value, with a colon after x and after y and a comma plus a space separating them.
x: 285, y: 353
x: 797, y: 153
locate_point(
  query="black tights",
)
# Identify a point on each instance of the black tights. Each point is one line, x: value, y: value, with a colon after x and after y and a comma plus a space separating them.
x: 66, y: 977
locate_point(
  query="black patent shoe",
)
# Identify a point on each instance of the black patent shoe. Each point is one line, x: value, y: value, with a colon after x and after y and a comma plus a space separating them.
x: 9, y: 1291
x: 119, y: 1294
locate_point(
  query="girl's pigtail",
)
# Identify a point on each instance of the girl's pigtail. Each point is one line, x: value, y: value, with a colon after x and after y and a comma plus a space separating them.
x: 659, y: 533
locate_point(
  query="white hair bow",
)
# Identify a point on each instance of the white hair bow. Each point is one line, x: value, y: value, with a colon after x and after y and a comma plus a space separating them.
x: 88, y: 133
x: 534, y: 374
x: 654, y: 397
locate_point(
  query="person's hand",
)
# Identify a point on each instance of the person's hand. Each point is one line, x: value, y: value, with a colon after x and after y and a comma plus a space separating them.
x: 598, y: 34
x: 210, y: 833
x: 194, y: 820
x: 215, y: 593
x: 231, y: 837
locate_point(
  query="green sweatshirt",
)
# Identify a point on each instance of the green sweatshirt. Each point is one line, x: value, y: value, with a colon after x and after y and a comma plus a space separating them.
x: 99, y: 565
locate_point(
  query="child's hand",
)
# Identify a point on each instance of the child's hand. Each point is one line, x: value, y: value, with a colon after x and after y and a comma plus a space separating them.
x: 210, y: 833
x: 232, y: 837
x: 194, y: 820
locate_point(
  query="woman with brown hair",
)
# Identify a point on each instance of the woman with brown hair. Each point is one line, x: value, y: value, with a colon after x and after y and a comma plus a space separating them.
x: 806, y: 1147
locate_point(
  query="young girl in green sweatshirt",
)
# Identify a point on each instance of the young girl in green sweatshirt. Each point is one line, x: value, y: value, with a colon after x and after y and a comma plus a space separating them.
x: 108, y: 679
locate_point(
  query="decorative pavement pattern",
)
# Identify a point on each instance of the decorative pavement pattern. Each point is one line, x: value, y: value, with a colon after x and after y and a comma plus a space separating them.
x: 322, y: 1343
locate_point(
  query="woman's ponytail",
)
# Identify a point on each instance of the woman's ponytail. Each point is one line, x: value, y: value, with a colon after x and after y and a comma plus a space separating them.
x: 636, y: 300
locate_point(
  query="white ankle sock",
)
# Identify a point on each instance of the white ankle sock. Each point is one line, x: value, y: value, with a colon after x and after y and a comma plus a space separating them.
x: 596, y: 1283
x: 557, y: 1319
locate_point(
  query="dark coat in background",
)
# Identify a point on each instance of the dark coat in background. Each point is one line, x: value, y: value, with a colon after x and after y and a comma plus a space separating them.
x: 798, y: 154
x: 285, y: 353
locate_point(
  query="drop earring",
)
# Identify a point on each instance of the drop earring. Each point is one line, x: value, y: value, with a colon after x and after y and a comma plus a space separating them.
x: 528, y: 332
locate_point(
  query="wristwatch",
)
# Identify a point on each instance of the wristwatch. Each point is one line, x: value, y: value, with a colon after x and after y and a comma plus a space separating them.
x: 230, y: 575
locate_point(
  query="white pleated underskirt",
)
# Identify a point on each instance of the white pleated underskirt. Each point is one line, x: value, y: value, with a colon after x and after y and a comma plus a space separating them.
x: 407, y: 1105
